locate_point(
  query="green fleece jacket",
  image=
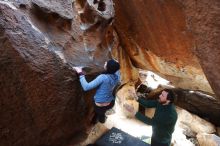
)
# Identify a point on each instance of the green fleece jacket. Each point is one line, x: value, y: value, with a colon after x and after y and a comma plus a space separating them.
x: 163, y: 121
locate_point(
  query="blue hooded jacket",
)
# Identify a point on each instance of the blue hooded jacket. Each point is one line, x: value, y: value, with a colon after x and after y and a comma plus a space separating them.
x: 105, y: 84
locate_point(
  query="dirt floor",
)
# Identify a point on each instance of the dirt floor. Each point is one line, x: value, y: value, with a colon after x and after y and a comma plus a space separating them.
x: 116, y: 118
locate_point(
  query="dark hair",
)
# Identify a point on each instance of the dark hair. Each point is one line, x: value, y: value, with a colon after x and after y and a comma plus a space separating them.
x: 112, y: 66
x: 170, y: 95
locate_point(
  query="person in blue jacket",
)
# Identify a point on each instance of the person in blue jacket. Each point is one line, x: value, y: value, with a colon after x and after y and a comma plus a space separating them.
x: 105, y: 83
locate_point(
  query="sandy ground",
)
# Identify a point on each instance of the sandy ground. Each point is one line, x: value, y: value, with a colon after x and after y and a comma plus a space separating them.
x: 116, y: 118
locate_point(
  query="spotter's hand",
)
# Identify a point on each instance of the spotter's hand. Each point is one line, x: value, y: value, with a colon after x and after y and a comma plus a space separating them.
x: 130, y: 109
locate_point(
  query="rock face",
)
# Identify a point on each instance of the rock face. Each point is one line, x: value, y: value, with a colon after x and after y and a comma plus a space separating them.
x: 208, y: 139
x: 203, y: 20
x: 62, y: 8
x: 200, y: 104
x: 39, y: 106
x: 156, y: 39
x: 194, y: 123
x: 41, y: 100
x: 169, y: 37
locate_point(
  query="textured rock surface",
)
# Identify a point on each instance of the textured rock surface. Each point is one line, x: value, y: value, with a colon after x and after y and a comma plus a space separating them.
x: 154, y: 39
x: 194, y: 123
x: 200, y: 104
x: 62, y: 8
x: 167, y: 36
x: 208, y: 139
x: 203, y: 19
x: 40, y: 95
x: 42, y: 102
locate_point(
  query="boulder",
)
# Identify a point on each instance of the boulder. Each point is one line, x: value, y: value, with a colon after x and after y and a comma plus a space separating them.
x: 62, y: 8
x: 208, y: 139
x: 41, y: 97
x: 195, y: 123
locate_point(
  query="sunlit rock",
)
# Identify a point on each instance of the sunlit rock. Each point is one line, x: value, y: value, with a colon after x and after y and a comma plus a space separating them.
x: 208, y: 139
x: 195, y: 123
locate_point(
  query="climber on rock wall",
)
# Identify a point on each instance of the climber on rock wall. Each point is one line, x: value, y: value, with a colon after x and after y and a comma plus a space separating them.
x: 105, y: 83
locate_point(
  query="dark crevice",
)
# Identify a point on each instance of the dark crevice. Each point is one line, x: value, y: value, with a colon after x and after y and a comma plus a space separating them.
x: 101, y: 6
x: 52, y: 18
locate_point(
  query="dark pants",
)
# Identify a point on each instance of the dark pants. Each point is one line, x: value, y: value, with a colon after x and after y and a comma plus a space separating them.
x: 155, y: 143
x: 100, y: 112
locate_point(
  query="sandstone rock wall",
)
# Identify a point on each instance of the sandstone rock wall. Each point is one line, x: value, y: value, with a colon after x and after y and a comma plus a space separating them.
x: 41, y: 100
x: 177, y: 39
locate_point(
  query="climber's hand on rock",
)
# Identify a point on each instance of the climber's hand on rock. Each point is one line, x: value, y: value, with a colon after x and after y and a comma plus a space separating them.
x: 78, y: 69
